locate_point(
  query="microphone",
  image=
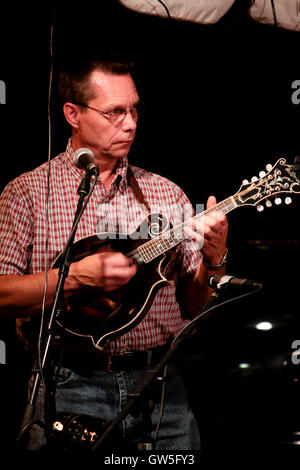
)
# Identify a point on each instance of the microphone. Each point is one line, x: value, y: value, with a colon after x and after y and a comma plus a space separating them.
x: 84, y: 159
x: 218, y: 281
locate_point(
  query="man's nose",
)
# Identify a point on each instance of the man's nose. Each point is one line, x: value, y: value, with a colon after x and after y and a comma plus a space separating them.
x: 129, y: 122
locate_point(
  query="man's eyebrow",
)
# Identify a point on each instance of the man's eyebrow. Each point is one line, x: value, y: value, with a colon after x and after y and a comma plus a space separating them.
x: 115, y: 104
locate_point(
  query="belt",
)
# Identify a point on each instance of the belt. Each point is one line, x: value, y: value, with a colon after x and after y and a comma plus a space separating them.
x: 113, y: 363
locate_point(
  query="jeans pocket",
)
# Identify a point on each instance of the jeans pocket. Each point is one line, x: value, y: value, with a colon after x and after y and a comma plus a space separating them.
x: 65, y: 376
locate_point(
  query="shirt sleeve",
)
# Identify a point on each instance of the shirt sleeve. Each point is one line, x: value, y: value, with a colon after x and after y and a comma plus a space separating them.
x: 16, y: 228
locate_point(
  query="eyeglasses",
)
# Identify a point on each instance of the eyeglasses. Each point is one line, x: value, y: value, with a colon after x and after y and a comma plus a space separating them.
x: 116, y: 116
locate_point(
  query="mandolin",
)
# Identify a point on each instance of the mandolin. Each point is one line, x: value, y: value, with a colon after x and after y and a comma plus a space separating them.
x: 102, y: 318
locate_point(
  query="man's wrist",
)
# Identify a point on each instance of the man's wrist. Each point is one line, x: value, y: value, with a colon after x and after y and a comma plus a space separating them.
x: 216, y: 267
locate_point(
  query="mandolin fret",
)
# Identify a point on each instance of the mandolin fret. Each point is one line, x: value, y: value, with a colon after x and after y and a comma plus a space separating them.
x: 169, y: 239
x: 159, y: 245
x: 225, y: 206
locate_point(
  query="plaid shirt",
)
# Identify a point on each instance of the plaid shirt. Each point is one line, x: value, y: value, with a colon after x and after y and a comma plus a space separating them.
x: 23, y: 231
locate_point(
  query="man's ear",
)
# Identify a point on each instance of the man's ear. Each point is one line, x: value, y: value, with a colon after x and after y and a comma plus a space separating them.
x: 72, y: 112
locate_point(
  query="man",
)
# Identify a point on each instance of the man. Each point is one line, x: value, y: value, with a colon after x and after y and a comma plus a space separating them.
x: 100, y: 102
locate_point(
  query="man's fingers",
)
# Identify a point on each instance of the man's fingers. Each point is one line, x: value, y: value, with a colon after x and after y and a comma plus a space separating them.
x: 211, y: 201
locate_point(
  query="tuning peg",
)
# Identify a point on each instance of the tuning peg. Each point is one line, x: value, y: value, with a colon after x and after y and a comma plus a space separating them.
x: 254, y: 178
x: 268, y: 203
x: 278, y: 201
x: 269, y: 167
x: 262, y: 174
x: 260, y: 208
x: 245, y: 182
x: 288, y: 200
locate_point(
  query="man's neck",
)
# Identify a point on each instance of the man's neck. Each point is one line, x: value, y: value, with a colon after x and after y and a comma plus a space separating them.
x: 107, y: 177
x: 107, y: 166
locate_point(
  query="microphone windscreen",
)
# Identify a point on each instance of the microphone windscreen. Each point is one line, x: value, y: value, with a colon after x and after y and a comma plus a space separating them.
x: 82, y: 152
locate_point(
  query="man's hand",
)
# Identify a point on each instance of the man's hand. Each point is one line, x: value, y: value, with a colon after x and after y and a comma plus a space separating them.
x: 107, y: 271
x: 210, y: 232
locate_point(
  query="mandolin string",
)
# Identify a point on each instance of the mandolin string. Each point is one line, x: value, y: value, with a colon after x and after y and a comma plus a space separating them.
x: 148, y: 246
x: 151, y: 244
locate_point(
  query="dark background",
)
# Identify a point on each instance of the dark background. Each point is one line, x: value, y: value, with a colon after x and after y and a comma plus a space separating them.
x: 219, y: 109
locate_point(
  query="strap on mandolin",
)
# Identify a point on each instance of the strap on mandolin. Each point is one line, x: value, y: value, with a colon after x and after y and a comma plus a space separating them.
x: 137, y: 190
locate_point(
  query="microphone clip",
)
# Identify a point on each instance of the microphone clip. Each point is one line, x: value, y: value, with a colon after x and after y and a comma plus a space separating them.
x: 84, y: 187
x: 220, y: 281
x: 226, y: 280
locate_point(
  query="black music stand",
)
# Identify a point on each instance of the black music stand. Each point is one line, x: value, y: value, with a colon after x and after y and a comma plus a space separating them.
x: 142, y: 385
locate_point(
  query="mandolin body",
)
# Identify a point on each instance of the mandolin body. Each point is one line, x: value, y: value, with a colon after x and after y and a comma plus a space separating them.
x: 103, y: 316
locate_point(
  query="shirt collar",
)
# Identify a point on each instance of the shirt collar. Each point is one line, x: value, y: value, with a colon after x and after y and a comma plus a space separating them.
x: 121, y: 170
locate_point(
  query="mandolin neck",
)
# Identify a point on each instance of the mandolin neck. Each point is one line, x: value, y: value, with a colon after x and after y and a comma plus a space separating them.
x: 169, y: 239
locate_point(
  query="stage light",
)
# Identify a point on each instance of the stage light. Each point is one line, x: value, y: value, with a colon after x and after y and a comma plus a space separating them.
x: 264, y: 326
x: 244, y: 365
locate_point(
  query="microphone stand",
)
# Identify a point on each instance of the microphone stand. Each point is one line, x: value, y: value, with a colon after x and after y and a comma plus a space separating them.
x: 143, y: 383
x: 57, y: 308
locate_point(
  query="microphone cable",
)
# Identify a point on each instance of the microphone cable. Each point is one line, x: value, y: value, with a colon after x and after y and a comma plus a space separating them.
x: 274, y: 13
x: 165, y: 7
x: 163, y: 378
x: 46, y: 253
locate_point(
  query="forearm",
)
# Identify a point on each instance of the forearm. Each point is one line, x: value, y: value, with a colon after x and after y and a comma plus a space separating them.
x: 22, y: 295
x: 197, y: 290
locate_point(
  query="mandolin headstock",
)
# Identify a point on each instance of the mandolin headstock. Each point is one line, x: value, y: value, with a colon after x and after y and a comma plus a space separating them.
x: 280, y: 179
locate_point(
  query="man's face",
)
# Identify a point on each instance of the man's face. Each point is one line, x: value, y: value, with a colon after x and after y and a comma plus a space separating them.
x: 95, y: 131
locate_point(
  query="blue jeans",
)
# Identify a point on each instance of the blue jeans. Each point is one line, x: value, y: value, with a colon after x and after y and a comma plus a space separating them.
x: 102, y: 394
